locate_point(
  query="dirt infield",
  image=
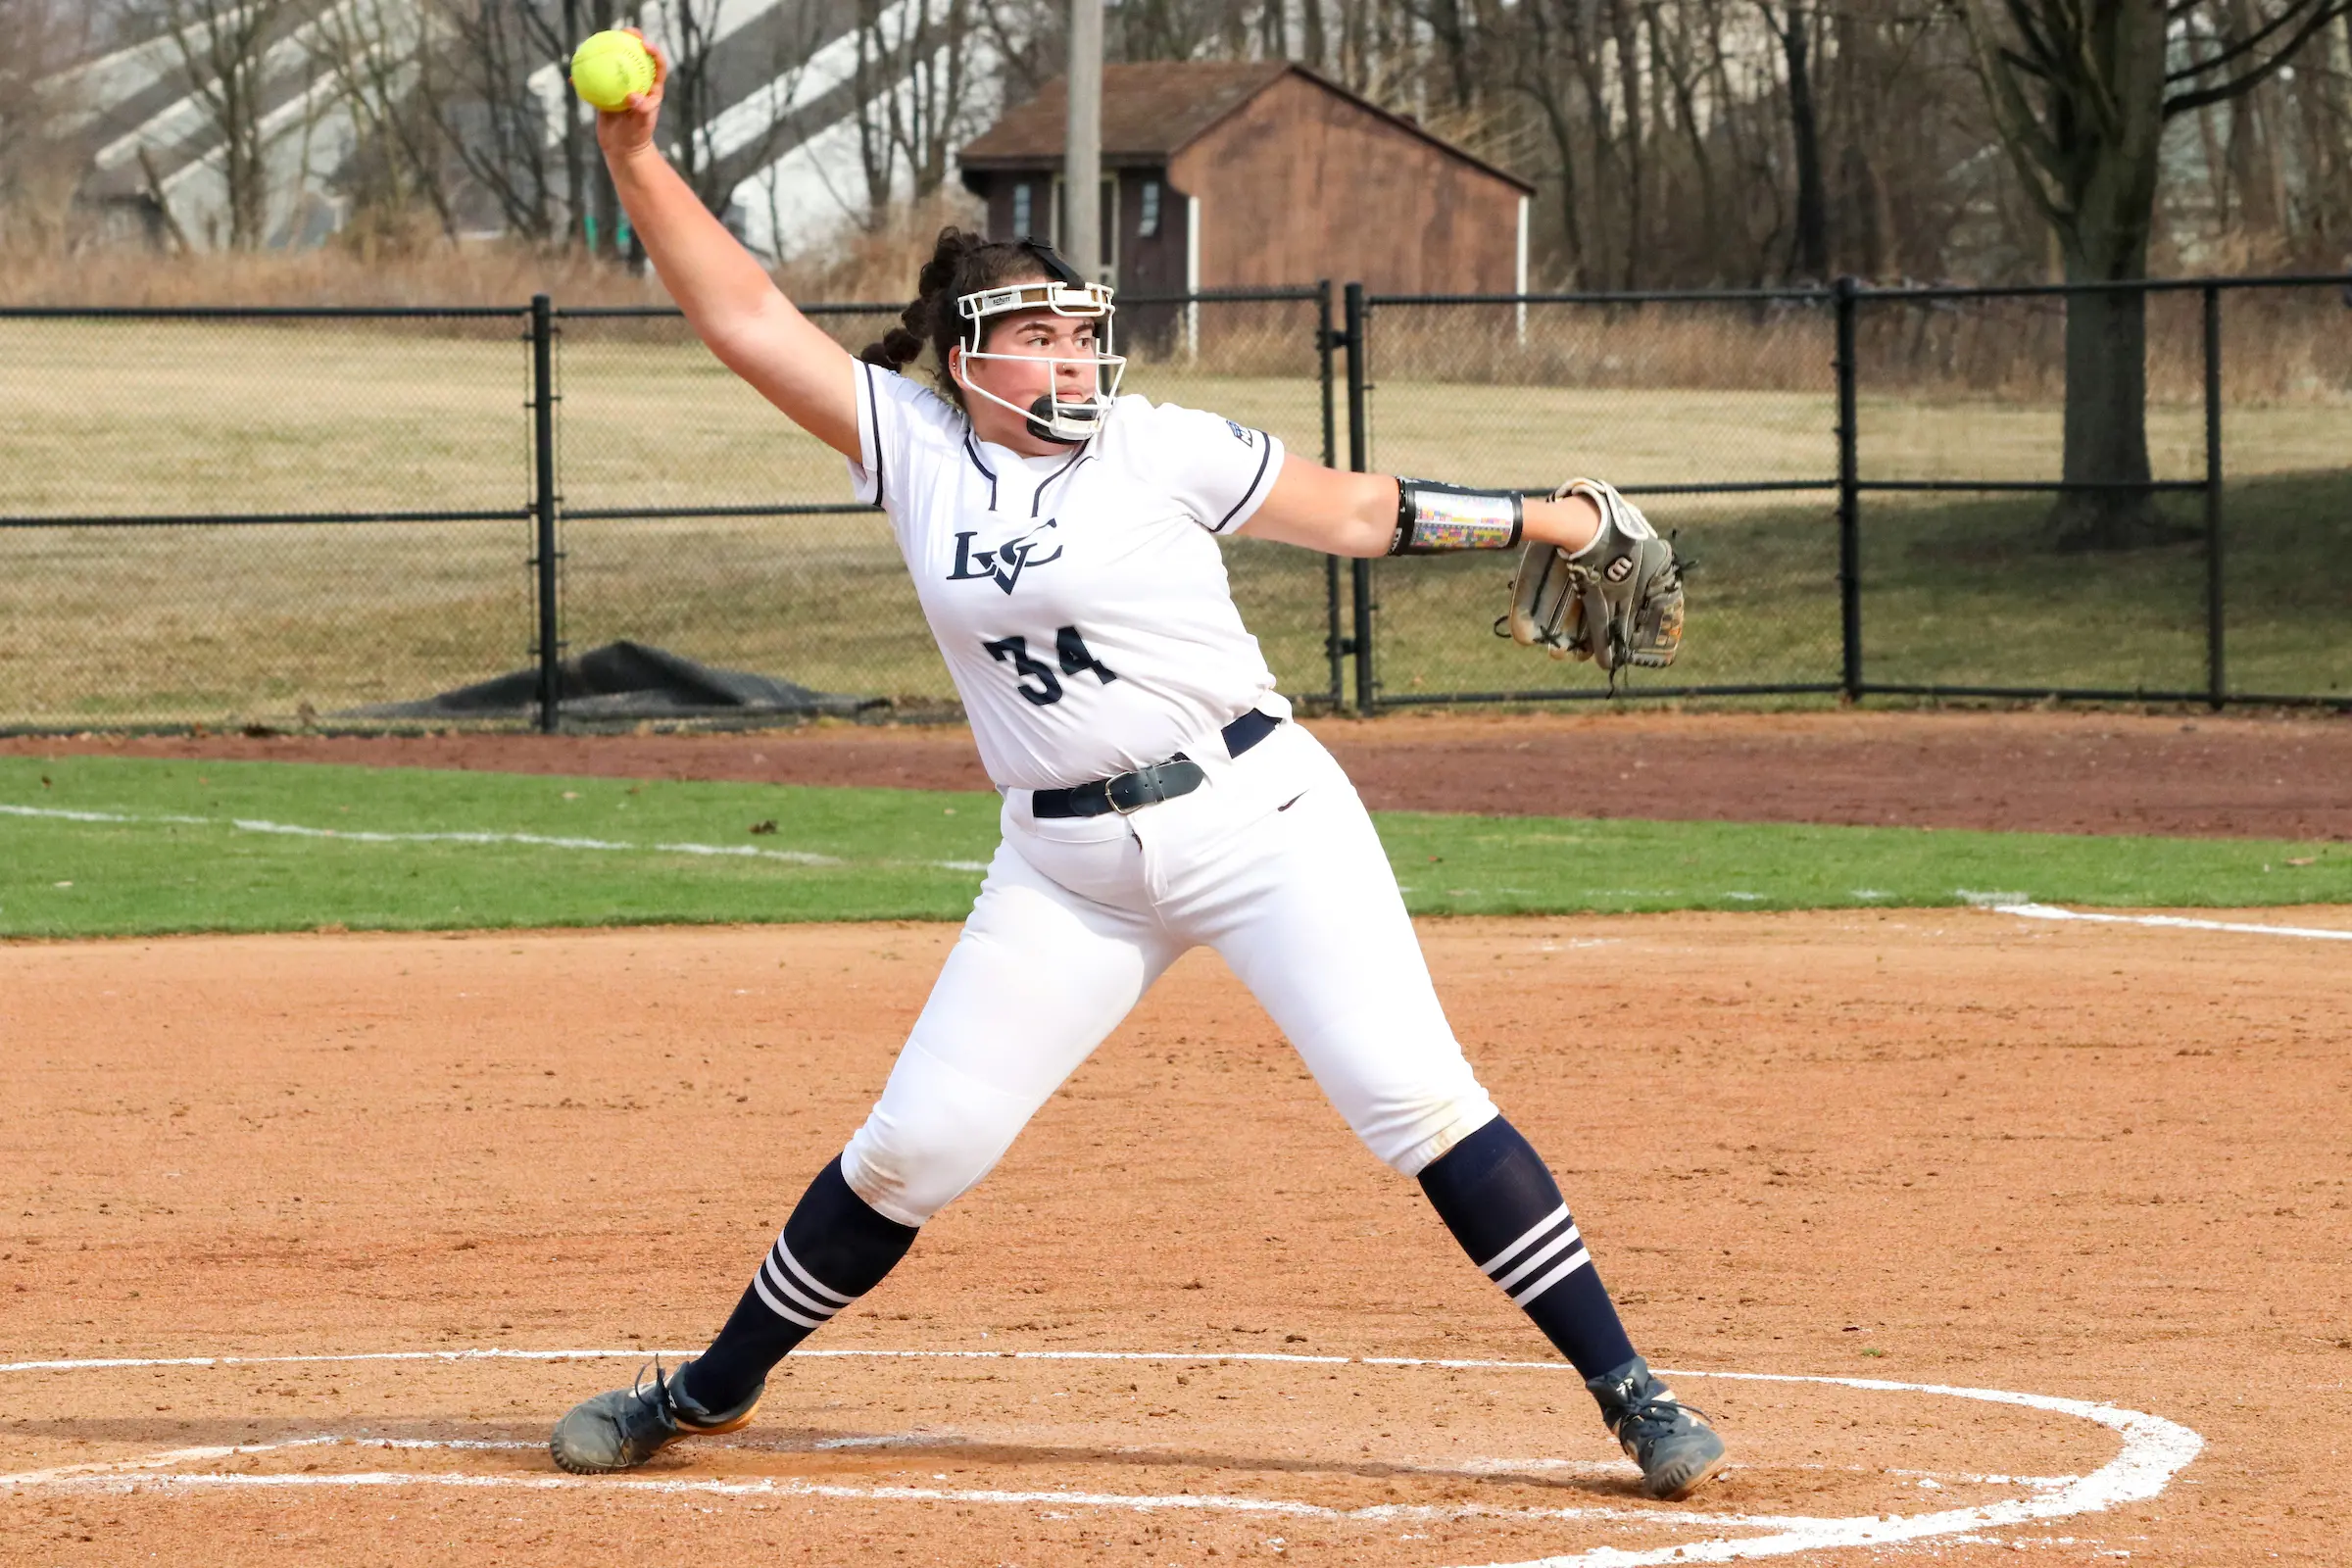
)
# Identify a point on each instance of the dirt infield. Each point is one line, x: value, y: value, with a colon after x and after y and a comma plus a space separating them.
x: 2089, y: 1163
x: 2051, y: 772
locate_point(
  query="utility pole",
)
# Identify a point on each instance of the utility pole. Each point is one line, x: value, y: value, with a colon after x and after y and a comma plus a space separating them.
x: 1082, y: 155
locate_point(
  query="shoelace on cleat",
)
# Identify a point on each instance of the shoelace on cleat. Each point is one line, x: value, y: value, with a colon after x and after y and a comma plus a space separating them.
x: 1655, y: 1414
x: 659, y: 1394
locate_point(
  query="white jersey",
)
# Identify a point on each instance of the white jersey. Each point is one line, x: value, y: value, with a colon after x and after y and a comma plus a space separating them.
x: 1080, y: 599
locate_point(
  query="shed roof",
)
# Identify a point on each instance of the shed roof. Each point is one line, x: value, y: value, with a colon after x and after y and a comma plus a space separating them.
x: 1154, y: 109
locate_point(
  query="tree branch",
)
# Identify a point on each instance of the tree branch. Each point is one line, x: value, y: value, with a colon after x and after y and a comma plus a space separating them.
x: 2246, y: 45
x: 2246, y: 81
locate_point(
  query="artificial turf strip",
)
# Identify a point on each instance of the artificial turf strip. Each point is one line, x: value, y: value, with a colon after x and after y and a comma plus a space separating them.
x: 124, y: 868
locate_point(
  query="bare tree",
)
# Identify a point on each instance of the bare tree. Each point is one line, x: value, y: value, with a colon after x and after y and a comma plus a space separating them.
x: 753, y: 79
x: 41, y: 152
x: 913, y: 90
x: 224, y: 46
x: 496, y: 124
x: 1544, y: 73
x: 383, y: 59
x: 2081, y: 90
x: 1792, y: 29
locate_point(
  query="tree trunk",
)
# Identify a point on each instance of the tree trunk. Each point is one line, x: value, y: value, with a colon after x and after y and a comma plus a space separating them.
x: 579, y: 223
x: 2106, y: 436
x: 2106, y: 423
x: 1810, y: 257
x: 1623, y: 21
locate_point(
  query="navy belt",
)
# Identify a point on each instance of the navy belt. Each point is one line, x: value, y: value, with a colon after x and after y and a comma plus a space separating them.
x: 1148, y: 786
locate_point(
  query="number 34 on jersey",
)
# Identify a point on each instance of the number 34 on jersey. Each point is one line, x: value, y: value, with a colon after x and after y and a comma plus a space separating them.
x: 1034, y: 678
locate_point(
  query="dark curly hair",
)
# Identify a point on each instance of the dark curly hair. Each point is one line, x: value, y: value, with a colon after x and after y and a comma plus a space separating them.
x: 960, y: 264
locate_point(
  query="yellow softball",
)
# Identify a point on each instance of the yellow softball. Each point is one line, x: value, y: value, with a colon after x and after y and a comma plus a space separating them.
x: 608, y: 67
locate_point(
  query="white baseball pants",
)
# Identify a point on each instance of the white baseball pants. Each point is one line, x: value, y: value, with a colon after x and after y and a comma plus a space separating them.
x: 1274, y: 863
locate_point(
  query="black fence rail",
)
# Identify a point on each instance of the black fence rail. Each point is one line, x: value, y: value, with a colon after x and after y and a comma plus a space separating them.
x: 407, y: 501
x: 403, y: 501
x: 1887, y: 508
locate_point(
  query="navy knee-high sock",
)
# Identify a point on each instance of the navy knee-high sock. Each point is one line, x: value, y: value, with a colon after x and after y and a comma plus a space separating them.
x: 835, y: 1248
x: 1495, y: 1194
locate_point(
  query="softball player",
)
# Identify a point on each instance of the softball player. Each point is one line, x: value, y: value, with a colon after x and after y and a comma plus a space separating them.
x: 1064, y: 543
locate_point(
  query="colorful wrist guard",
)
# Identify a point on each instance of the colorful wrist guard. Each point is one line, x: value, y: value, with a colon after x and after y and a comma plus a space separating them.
x: 1433, y: 517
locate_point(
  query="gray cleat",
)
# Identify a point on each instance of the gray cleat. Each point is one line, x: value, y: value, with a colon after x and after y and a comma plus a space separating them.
x: 1676, y: 1448
x: 622, y: 1428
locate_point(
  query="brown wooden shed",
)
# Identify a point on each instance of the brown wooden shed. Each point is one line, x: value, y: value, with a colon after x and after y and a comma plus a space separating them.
x: 1223, y: 174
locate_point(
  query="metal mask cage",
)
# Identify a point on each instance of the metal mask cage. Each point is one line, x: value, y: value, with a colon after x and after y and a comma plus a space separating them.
x: 1067, y: 420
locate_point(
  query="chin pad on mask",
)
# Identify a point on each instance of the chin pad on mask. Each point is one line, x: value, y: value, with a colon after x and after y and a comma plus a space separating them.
x: 1042, y: 412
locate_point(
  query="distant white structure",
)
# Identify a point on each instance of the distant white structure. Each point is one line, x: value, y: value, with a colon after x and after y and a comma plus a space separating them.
x: 783, y: 73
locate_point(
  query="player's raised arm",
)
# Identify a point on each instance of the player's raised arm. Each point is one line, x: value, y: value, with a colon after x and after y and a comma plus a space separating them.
x: 1375, y: 514
x: 726, y: 294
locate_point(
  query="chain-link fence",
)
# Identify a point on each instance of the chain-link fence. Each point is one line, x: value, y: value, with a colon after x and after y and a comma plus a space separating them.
x: 1885, y: 491
x: 222, y: 514
x: 1711, y: 411
x: 332, y: 516
x: 697, y: 518
x: 323, y: 516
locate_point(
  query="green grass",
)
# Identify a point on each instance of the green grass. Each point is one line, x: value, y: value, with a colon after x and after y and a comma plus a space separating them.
x: 174, y: 846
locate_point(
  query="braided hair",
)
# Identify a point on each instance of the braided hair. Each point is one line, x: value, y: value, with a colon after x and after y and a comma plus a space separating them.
x: 960, y: 264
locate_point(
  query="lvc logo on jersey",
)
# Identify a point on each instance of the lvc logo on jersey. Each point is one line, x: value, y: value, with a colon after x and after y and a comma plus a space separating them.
x: 1005, y: 564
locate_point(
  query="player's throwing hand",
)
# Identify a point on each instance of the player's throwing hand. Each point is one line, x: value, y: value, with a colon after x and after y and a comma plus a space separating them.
x: 629, y: 131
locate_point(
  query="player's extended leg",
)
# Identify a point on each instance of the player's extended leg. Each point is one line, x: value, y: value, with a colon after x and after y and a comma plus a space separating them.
x: 1036, y: 979
x: 1496, y: 1194
x: 1322, y: 938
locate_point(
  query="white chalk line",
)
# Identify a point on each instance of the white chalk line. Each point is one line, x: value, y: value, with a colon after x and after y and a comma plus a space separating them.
x: 2179, y: 923
x: 245, y: 824
x: 2154, y: 1449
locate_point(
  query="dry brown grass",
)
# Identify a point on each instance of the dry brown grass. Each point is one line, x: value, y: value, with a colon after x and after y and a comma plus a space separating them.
x: 879, y: 266
x: 468, y: 275
x: 2277, y: 345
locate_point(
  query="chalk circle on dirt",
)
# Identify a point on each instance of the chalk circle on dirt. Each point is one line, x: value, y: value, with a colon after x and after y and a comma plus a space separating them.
x: 2153, y: 1450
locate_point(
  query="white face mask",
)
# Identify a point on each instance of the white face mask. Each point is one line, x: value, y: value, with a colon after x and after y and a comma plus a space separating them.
x: 1053, y: 417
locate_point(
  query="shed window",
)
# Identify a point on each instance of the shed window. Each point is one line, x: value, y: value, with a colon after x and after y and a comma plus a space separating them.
x: 1146, y: 223
x: 1023, y: 214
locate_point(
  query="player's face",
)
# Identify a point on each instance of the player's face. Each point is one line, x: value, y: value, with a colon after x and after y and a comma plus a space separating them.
x: 1045, y: 353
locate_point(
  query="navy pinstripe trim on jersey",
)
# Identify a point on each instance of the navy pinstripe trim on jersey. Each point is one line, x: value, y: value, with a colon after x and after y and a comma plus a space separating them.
x: 873, y: 411
x: 1076, y: 458
x: 978, y: 461
x: 1264, y: 457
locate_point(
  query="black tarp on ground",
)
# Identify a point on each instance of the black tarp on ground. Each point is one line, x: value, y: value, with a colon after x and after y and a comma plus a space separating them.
x: 627, y: 680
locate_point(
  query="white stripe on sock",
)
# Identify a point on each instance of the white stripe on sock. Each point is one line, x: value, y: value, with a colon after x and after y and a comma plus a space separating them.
x: 1578, y: 1260
x: 1541, y: 1257
x: 824, y: 1292
x: 1534, y: 1231
x: 760, y: 1284
x: 798, y: 1296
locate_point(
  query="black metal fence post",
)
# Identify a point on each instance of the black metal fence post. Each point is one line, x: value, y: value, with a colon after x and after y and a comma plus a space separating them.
x: 1849, y: 497
x: 1336, y: 646
x: 1358, y: 445
x: 2216, y: 679
x: 543, y: 507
